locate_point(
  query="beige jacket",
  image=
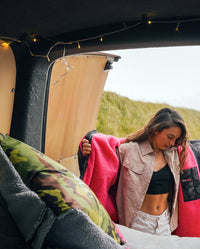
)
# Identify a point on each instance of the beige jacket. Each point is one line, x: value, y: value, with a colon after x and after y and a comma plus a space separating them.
x: 137, y: 164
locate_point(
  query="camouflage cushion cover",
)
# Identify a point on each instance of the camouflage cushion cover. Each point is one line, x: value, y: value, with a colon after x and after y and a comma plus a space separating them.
x: 59, y: 188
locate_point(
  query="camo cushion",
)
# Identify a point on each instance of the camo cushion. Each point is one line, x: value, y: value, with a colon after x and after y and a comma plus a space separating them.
x: 59, y: 188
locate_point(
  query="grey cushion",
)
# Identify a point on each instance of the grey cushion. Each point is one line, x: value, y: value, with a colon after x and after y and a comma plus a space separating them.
x: 10, y: 237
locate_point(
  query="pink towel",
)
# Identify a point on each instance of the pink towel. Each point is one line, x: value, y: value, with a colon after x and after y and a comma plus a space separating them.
x: 102, y: 172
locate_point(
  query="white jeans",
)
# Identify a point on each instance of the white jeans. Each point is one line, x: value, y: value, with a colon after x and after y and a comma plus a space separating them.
x: 153, y: 224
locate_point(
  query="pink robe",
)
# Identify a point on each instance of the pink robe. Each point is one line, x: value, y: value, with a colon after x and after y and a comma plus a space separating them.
x: 102, y: 171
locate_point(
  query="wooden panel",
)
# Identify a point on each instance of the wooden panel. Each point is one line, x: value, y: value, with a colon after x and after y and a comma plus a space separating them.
x: 71, y: 163
x: 74, y: 99
x: 7, y: 87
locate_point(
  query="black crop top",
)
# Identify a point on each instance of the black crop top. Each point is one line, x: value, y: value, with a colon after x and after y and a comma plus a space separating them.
x: 160, y: 181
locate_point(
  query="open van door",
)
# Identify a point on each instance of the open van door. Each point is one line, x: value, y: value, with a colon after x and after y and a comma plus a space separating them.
x: 75, y: 90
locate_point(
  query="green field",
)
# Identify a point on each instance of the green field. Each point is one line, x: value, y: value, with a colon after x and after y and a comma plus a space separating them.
x: 120, y: 116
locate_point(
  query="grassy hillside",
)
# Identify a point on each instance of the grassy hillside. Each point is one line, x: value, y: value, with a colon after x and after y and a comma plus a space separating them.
x: 120, y: 116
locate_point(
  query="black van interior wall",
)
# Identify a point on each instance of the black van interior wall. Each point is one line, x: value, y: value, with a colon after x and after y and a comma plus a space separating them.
x: 29, y: 100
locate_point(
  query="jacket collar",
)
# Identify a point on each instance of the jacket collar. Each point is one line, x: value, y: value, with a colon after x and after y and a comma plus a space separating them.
x: 145, y: 147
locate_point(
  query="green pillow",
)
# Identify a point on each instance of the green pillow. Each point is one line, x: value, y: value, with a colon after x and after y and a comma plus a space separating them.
x: 59, y: 188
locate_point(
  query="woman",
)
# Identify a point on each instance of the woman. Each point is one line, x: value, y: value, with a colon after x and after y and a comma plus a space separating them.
x: 150, y: 173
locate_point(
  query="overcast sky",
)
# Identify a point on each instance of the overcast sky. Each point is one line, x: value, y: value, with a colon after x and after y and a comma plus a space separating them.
x: 163, y: 75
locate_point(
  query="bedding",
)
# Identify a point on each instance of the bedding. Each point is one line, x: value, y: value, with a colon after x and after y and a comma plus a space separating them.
x: 32, y: 219
x: 140, y: 240
x: 59, y: 188
x: 10, y: 236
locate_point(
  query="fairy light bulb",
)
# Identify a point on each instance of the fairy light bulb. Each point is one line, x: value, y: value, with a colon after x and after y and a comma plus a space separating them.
x: 34, y: 37
x: 177, y: 27
x: 79, y: 46
x: 101, y: 39
x: 5, y: 44
x: 149, y: 22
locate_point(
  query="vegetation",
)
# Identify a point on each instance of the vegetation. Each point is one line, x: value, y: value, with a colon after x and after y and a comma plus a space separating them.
x: 120, y: 116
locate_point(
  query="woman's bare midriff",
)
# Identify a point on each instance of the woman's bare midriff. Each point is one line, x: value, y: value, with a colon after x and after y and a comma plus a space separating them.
x: 155, y: 204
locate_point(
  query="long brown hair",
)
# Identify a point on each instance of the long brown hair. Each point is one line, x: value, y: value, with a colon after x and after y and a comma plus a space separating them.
x: 164, y: 119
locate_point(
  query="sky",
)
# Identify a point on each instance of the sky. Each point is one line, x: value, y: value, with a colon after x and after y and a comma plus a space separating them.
x: 159, y: 75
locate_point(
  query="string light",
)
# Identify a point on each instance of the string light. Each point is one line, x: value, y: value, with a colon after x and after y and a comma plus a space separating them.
x: 34, y: 37
x: 5, y: 44
x: 8, y: 40
x: 177, y: 27
x: 66, y: 66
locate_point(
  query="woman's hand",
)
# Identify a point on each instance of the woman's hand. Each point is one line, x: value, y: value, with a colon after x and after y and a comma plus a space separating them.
x: 86, y: 147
